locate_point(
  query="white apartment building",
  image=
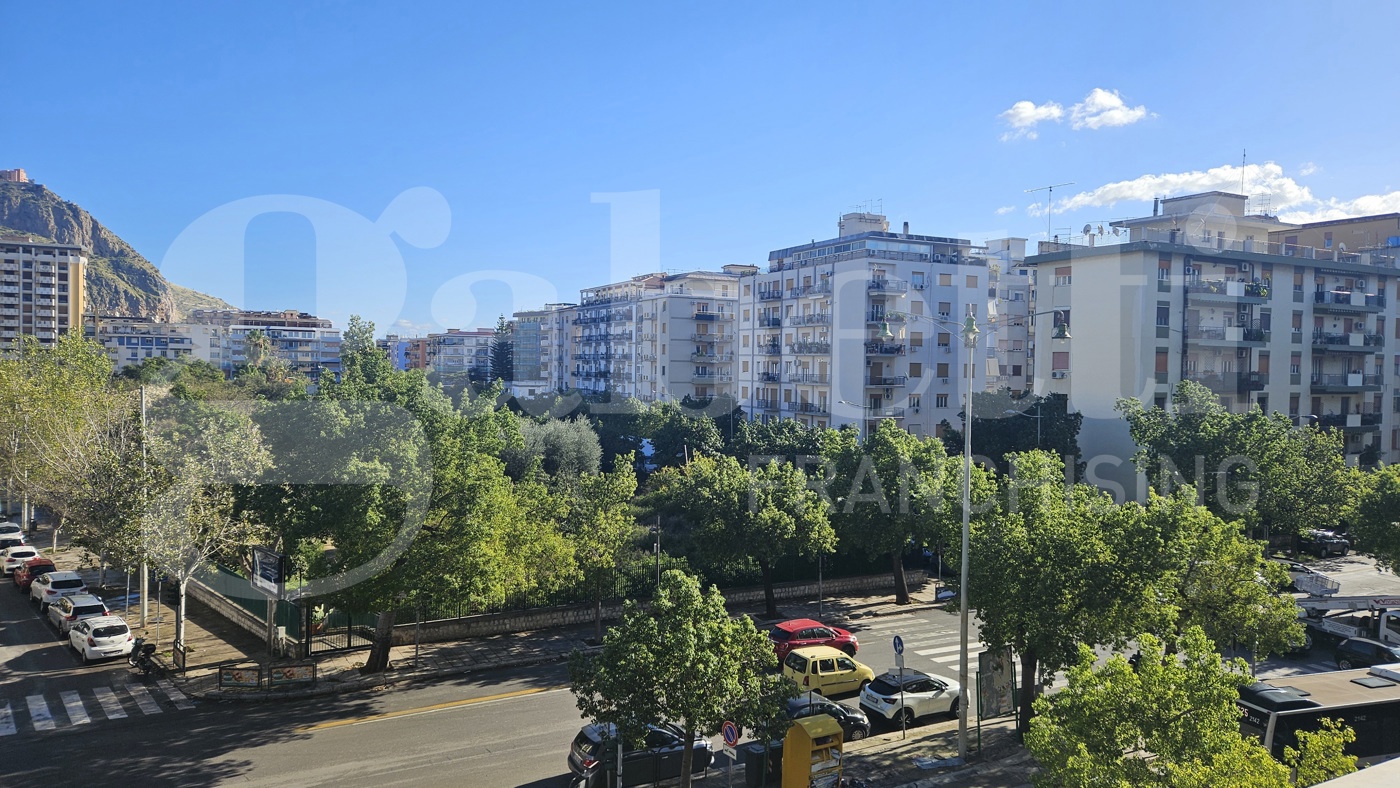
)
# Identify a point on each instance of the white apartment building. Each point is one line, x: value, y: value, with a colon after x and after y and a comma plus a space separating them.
x: 540, y: 350
x: 41, y: 289
x: 456, y: 351
x: 1203, y: 290
x: 132, y: 340
x: 309, y: 344
x: 1011, y: 285
x: 862, y: 327
x: 657, y: 336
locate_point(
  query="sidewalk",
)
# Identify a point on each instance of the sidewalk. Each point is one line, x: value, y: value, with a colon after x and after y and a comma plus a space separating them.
x: 882, y: 760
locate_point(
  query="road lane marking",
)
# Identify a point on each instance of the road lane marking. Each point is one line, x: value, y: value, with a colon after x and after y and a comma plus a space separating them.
x: 74, y: 706
x: 928, y: 652
x: 39, y: 713
x: 427, y: 709
x: 143, y: 699
x: 176, y: 696
x: 7, y: 719
x: 110, y: 705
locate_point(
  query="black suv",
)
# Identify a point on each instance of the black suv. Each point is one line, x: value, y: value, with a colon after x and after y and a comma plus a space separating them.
x: 1322, y: 543
x: 854, y: 724
x: 1364, y: 652
x: 593, y: 756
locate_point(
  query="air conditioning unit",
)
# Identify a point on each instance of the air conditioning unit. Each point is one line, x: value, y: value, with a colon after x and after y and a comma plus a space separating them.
x: 1244, y: 268
x: 914, y: 409
x: 944, y: 381
x: 889, y: 393
x: 945, y: 315
x: 1361, y: 284
x: 1059, y: 374
x: 1244, y: 318
x: 1242, y: 353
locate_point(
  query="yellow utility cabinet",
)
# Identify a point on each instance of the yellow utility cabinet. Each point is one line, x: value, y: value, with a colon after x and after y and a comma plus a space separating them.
x: 812, y: 753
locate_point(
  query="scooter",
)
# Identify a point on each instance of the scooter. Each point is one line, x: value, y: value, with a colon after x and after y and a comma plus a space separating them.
x: 140, y: 656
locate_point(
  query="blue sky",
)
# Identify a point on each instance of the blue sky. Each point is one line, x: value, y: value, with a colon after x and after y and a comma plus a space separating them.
x: 757, y: 124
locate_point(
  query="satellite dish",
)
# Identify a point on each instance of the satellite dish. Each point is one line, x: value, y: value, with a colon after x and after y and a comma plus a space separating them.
x: 1100, y: 229
x: 1342, y: 246
x: 1088, y: 228
x: 1117, y: 231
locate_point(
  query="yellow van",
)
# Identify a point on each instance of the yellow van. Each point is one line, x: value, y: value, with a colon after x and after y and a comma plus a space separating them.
x: 826, y: 670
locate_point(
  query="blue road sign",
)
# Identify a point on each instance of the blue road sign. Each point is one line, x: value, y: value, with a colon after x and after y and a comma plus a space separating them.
x: 898, y: 647
x: 730, y: 731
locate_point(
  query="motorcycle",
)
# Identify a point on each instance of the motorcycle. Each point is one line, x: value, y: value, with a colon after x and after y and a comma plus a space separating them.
x: 140, y: 656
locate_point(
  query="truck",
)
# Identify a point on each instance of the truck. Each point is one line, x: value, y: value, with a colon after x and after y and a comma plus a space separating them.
x: 1367, y: 699
x: 1330, y: 618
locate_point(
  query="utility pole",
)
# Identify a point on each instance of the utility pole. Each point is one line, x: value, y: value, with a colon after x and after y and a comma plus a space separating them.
x: 1049, y: 202
x: 658, y: 550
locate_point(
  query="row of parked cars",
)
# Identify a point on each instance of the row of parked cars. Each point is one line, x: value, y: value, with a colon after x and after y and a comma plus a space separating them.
x: 81, y: 618
x: 820, y: 659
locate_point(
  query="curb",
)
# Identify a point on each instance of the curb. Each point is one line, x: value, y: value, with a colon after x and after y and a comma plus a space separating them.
x: 337, y: 686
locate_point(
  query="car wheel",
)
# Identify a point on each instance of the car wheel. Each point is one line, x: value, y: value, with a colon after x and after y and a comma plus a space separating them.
x: 907, y: 715
x: 858, y: 733
x: 953, y: 709
x: 82, y: 652
x: 862, y: 687
x: 1344, y: 664
x: 849, y: 649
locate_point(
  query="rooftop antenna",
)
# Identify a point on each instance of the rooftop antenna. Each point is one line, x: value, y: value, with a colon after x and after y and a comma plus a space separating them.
x: 1244, y: 158
x: 1049, y: 202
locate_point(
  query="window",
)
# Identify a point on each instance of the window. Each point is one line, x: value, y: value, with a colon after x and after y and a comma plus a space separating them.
x: 1016, y: 370
x: 1059, y: 360
x: 945, y: 280
x: 916, y: 369
x: 971, y: 282
x: 945, y: 339
x: 942, y: 370
x: 940, y: 401
x: 1164, y: 315
x: 945, y: 308
x: 1160, y: 402
x: 1161, y: 362
x: 1062, y: 275
x: 915, y: 400
x: 1295, y: 364
x: 916, y: 340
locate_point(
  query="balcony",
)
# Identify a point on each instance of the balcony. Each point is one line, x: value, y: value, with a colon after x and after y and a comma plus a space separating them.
x: 770, y: 377
x: 711, y: 357
x: 887, y: 380
x: 1252, y: 381
x: 1211, y: 380
x: 887, y: 285
x: 881, y: 316
x: 804, y: 407
x: 819, y: 289
x: 1354, y: 342
x: 765, y: 404
x: 1351, y: 381
x: 1351, y: 421
x: 770, y: 322
x: 1228, y: 335
x: 884, y: 349
x: 816, y: 319
x: 1226, y: 290
x: 712, y: 337
x: 770, y: 349
x: 714, y: 316
x: 1347, y: 302
x: 811, y: 347
x: 770, y: 295
x: 884, y: 413
x: 808, y: 377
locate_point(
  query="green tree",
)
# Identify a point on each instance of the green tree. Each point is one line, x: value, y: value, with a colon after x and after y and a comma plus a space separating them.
x: 678, y: 434
x: 1004, y: 424
x: 1321, y: 754
x: 561, y: 448
x: 1172, y: 722
x: 602, y: 529
x: 503, y: 351
x: 893, y: 490
x: 684, y: 661
x: 788, y: 439
x: 1375, y: 516
x: 761, y: 514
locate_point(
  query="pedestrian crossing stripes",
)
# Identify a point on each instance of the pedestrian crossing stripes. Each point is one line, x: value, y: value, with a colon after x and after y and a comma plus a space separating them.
x: 104, y: 703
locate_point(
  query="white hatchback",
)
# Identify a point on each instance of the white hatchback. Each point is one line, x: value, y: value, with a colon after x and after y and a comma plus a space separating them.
x: 48, y: 589
x: 100, y: 638
x: 15, y: 557
x: 923, y: 695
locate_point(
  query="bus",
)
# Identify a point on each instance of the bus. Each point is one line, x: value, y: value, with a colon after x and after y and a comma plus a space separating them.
x: 1367, y: 699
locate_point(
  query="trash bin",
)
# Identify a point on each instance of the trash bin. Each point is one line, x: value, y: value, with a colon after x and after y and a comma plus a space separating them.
x: 751, y: 756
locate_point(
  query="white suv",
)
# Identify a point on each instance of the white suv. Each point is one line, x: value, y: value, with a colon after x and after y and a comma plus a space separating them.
x: 923, y: 695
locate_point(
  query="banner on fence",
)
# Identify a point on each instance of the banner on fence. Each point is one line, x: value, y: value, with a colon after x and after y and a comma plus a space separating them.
x: 244, y: 676
x: 995, y: 678
x: 284, y: 675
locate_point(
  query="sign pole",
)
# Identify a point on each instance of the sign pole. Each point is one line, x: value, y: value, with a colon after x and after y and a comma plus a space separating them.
x: 903, y: 710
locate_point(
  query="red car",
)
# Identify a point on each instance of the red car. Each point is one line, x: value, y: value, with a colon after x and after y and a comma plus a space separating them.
x: 24, y: 576
x: 804, y: 632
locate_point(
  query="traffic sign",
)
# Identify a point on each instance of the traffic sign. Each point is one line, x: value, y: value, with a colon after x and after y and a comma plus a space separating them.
x: 730, y: 732
x: 898, y: 644
x: 730, y: 752
x: 899, y: 661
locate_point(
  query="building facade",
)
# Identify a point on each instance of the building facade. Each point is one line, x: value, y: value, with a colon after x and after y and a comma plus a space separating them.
x: 405, y: 352
x: 456, y: 351
x: 1203, y: 290
x: 309, y: 344
x: 132, y: 340
x: 42, y: 291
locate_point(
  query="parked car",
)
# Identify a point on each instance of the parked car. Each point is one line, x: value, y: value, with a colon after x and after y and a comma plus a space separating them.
x: 15, y: 557
x: 32, y: 568
x: 854, y: 724
x: 100, y: 637
x: 594, y: 751
x: 922, y: 696
x: 1295, y: 569
x: 49, y: 588
x: 1322, y: 543
x: 1364, y: 652
x: 804, y: 632
x: 10, y: 530
x: 824, y: 669
x: 11, y: 540
x: 71, y: 609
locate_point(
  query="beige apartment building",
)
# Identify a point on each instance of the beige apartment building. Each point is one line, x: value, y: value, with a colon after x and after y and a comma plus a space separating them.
x: 42, y: 291
x: 131, y: 340
x: 1204, y: 290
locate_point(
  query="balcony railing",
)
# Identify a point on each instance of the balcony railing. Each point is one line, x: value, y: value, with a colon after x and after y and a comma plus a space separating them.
x: 811, y: 347
x: 770, y: 349
x: 1227, y: 288
x: 712, y: 337
x: 765, y: 404
x: 770, y: 295
x: 1349, y: 298
x: 1348, y: 380
x: 884, y: 413
x: 821, y: 288
x: 1253, y: 381
x: 804, y: 407
x: 886, y: 380
x: 712, y: 357
x: 1352, y: 420
x: 881, y: 316
x: 714, y: 316
x: 1355, y: 339
x: 815, y: 319
x: 770, y: 377
x: 1207, y: 242
x: 808, y: 377
x: 883, y: 349
x: 769, y: 322
x: 887, y: 285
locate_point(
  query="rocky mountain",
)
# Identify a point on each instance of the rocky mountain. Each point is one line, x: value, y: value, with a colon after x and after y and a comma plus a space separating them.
x: 119, y: 280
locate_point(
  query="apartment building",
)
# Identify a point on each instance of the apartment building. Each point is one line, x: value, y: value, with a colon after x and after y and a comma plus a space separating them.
x: 131, y: 340
x: 405, y: 352
x: 309, y: 344
x: 658, y: 336
x: 1011, y: 285
x: 456, y: 351
x: 1203, y: 290
x: 41, y: 289
x: 541, y: 350
x: 863, y: 327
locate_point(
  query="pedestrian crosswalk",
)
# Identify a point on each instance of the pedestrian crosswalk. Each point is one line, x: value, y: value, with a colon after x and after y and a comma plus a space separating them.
x: 45, y: 712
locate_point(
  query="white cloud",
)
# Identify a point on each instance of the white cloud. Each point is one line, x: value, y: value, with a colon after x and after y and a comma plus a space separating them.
x: 1104, y: 108
x: 1035, y: 209
x: 1308, y: 169
x: 1005, y: 209
x: 1025, y: 115
x: 1333, y: 208
x: 412, y: 329
x: 1258, y: 180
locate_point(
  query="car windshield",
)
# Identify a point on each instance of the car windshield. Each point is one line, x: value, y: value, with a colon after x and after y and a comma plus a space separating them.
x: 89, y: 610
x: 882, y: 686
x: 41, y: 569
x: 583, y: 743
x: 779, y: 634
x: 70, y: 583
x: 110, y: 631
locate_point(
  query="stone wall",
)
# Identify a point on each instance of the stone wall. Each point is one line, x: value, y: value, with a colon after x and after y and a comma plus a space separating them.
x: 227, y: 608
x: 573, y: 615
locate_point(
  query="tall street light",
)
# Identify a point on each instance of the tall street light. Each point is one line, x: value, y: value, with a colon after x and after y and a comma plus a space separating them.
x: 970, y: 333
